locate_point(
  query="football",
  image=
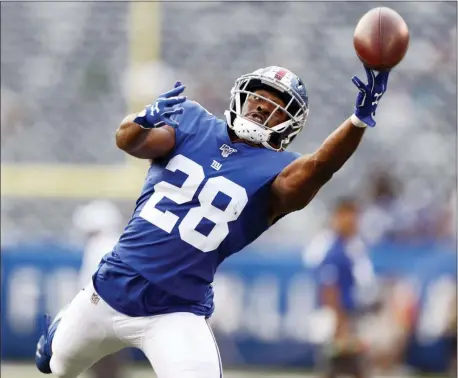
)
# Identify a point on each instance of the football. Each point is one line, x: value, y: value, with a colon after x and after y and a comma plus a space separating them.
x: 381, y: 38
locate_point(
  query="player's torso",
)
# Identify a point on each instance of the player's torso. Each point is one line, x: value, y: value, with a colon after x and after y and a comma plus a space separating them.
x: 207, y: 200
x: 356, y: 272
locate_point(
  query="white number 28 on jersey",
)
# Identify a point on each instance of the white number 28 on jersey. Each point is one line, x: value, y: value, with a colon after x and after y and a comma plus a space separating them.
x: 180, y: 195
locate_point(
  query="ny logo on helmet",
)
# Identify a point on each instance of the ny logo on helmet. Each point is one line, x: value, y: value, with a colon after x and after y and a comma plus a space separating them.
x: 226, y: 150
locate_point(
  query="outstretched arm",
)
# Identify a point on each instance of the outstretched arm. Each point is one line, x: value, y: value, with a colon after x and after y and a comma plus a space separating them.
x: 150, y: 134
x: 299, y: 182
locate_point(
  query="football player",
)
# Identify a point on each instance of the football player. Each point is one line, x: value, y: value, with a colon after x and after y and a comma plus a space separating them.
x: 214, y: 186
x: 347, y: 288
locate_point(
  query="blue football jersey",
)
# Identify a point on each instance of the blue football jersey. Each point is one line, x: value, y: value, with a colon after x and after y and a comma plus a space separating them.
x: 346, y: 264
x: 205, y: 201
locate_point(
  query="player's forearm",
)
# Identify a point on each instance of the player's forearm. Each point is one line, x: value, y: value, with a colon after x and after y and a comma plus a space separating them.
x: 337, y: 148
x: 144, y: 143
x: 298, y: 183
x: 130, y: 136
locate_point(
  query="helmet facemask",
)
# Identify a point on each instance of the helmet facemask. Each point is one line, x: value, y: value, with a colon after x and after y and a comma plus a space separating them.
x: 279, y: 136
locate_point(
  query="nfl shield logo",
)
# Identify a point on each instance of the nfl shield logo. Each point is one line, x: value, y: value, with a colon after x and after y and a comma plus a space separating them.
x: 226, y: 150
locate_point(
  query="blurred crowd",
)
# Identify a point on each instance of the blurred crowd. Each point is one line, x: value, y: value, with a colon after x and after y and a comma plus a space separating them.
x: 67, y: 78
x: 389, y: 217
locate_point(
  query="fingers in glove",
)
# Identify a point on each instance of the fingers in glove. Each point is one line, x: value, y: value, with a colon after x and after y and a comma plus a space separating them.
x: 166, y: 117
x: 370, y: 78
x: 142, y: 113
x: 178, y: 84
x: 175, y: 91
x: 170, y: 122
x: 172, y: 112
x: 382, y: 79
x: 174, y: 100
x: 359, y: 84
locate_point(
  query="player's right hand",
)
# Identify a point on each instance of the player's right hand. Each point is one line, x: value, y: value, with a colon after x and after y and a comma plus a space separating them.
x: 159, y: 113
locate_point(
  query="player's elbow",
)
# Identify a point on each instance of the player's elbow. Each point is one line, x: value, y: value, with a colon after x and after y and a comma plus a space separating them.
x: 121, y: 140
x: 122, y: 134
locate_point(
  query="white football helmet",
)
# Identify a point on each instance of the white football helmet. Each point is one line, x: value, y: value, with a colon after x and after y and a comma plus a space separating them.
x: 290, y: 89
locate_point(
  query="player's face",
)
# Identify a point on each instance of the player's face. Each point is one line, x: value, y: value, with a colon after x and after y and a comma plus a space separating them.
x: 258, y: 109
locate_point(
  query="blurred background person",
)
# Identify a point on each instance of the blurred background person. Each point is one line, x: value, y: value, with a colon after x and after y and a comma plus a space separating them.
x: 384, y: 214
x: 100, y: 224
x: 346, y: 286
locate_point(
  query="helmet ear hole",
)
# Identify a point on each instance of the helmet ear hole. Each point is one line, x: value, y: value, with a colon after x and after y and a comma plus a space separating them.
x: 278, y: 139
x: 275, y: 139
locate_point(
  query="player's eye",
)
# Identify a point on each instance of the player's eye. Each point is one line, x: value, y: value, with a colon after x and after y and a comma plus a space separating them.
x: 279, y: 113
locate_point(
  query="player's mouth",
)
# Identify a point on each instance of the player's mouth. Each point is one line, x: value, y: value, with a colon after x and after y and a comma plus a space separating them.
x: 258, y: 118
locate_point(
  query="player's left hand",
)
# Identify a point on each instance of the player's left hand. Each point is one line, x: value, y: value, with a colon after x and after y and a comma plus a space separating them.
x: 159, y: 113
x: 369, y: 95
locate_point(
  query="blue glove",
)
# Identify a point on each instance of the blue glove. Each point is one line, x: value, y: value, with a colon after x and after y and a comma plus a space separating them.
x: 159, y: 113
x: 369, y: 96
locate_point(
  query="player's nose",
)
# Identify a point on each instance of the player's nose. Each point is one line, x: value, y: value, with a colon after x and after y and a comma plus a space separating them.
x: 263, y: 109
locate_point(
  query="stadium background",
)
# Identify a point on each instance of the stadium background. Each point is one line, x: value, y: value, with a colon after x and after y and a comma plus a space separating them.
x: 71, y: 71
